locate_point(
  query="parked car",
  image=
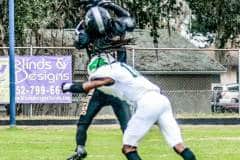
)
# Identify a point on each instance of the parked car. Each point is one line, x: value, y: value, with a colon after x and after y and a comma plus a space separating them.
x: 225, y: 98
x: 200, y: 40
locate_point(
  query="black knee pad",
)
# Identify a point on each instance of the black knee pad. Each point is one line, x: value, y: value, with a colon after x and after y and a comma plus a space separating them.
x: 187, y: 154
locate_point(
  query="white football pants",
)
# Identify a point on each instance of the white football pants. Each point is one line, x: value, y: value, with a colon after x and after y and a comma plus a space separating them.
x: 152, y: 108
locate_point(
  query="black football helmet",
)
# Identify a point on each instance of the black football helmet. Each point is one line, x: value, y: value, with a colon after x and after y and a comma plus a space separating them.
x: 97, y: 21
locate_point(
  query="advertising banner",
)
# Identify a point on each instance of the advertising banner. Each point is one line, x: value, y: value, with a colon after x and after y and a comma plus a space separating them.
x: 4, y: 80
x: 39, y: 79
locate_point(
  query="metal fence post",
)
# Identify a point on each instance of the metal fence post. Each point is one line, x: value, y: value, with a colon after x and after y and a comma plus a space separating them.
x: 31, y: 106
x: 12, y: 64
x: 239, y: 82
x: 133, y: 58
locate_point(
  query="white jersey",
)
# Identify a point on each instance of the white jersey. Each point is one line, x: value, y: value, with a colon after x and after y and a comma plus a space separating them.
x: 128, y: 82
x: 151, y: 105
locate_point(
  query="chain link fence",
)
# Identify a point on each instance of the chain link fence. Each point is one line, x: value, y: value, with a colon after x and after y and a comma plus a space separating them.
x: 186, y: 76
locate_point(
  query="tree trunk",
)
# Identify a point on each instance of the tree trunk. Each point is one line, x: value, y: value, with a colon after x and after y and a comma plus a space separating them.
x: 3, y: 18
x: 221, y: 41
x: 3, y: 52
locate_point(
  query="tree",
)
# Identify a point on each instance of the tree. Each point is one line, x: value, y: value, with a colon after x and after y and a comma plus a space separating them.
x: 33, y: 14
x: 154, y: 14
x: 221, y: 17
x: 3, y: 26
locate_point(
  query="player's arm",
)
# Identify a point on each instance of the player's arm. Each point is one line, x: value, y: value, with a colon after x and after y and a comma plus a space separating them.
x: 107, y: 4
x: 124, y: 22
x: 86, y: 86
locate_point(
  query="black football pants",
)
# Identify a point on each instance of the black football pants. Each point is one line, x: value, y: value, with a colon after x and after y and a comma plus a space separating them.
x: 97, y: 102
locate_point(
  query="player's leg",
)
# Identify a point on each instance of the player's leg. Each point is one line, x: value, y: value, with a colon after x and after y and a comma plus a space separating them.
x: 94, y: 106
x: 96, y: 102
x: 135, y: 131
x: 123, y: 113
x: 138, y: 126
x: 121, y: 110
x: 184, y: 152
x: 171, y: 130
x: 130, y: 152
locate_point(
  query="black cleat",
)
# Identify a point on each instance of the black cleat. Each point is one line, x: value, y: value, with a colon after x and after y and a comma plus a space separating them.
x: 78, y: 156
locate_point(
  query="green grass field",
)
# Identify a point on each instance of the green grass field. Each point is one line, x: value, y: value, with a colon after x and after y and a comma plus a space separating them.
x: 104, y: 143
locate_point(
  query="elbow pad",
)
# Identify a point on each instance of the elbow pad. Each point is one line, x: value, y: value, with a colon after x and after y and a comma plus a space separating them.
x: 123, y: 25
x: 130, y: 23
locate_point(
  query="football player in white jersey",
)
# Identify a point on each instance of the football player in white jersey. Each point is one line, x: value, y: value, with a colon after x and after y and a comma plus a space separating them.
x: 121, y: 80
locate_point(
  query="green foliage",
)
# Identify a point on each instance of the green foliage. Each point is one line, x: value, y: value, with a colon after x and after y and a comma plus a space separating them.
x: 29, y: 14
x: 3, y: 23
x: 153, y: 14
x: 217, y: 16
x: 35, y: 14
